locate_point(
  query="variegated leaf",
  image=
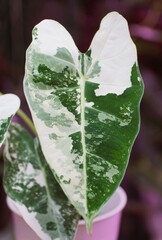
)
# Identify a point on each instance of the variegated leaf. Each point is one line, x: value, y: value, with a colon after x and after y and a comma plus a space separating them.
x: 30, y: 183
x: 85, y: 107
x: 9, y: 104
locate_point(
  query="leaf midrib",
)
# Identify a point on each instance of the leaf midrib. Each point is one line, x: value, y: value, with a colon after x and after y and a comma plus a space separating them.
x: 82, y: 88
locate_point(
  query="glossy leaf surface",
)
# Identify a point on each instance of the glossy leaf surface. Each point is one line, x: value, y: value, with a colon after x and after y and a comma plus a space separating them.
x: 30, y: 183
x: 85, y: 108
x: 9, y: 104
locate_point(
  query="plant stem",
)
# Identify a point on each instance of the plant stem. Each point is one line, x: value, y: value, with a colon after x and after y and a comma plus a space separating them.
x: 26, y: 120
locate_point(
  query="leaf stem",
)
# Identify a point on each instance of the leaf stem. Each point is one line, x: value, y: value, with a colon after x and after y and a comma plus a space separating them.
x: 27, y: 121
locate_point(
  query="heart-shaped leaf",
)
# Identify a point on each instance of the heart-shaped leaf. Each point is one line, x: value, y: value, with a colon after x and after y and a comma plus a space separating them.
x: 85, y: 108
x: 30, y: 183
x: 9, y: 104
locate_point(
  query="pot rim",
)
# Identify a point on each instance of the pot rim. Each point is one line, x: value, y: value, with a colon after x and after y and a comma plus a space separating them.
x: 118, y: 208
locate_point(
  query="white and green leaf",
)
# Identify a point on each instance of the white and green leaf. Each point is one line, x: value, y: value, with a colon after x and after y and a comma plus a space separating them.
x: 85, y: 107
x: 29, y: 182
x: 9, y: 104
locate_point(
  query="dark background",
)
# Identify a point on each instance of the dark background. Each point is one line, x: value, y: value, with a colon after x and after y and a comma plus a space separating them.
x: 142, y: 218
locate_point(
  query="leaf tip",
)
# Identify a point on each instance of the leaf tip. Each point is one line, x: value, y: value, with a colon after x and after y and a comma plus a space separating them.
x: 89, y: 226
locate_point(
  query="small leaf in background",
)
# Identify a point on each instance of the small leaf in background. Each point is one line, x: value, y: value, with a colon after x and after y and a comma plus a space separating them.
x: 9, y: 104
x: 85, y: 107
x: 30, y: 183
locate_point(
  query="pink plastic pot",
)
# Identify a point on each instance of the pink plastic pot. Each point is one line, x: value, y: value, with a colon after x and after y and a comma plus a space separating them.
x: 105, y: 226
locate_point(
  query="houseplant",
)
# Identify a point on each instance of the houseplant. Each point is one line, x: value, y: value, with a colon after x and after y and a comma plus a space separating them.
x: 85, y: 108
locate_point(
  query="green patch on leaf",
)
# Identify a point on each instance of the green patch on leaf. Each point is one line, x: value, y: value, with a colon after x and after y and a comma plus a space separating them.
x: 3, y: 127
x: 64, y: 54
x: 35, y: 33
x: 63, y: 79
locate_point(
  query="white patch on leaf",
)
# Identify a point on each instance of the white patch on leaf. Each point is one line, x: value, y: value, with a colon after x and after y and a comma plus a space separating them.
x: 105, y: 116
x: 115, y: 52
x: 113, y: 171
x: 9, y: 104
x: 52, y: 35
x: 30, y: 172
x: 139, y: 79
x: 60, y: 160
x: 89, y: 104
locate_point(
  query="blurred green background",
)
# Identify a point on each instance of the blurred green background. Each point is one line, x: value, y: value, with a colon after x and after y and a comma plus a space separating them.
x: 142, y: 218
